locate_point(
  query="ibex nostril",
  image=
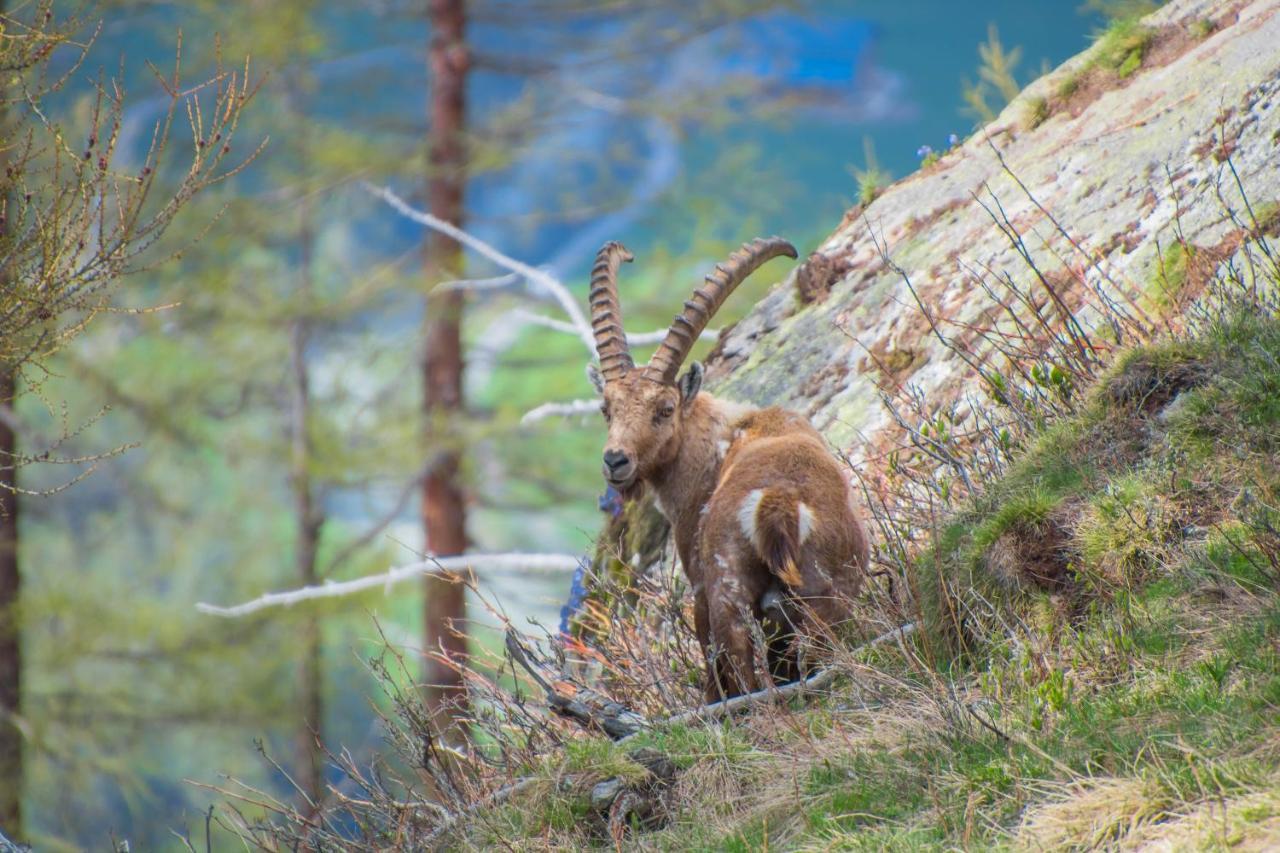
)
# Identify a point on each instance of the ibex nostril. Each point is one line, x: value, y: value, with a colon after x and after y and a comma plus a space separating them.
x: 614, y: 459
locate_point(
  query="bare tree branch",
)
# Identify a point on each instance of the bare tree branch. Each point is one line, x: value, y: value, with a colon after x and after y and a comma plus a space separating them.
x: 526, y: 563
x: 537, y: 277
x: 635, y: 339
x: 817, y: 681
x: 577, y: 323
x: 560, y: 410
x: 498, y: 282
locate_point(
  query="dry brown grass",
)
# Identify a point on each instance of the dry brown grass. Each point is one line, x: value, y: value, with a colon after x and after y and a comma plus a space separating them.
x: 1250, y: 822
x: 1090, y: 815
x: 1131, y: 814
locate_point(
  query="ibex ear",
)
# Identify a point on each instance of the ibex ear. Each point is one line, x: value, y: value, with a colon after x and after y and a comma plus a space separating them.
x: 593, y: 374
x: 690, y: 383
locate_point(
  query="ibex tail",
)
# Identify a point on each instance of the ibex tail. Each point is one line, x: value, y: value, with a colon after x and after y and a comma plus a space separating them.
x: 777, y: 522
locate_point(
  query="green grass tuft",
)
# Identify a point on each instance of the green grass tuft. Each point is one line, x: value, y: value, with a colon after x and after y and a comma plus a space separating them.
x: 1036, y: 113
x: 1203, y: 28
x: 1069, y: 85
x: 1019, y: 512
x: 1168, y: 288
x: 1123, y: 46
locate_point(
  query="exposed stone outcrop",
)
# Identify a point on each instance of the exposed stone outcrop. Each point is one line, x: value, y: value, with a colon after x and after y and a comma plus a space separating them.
x: 1119, y: 161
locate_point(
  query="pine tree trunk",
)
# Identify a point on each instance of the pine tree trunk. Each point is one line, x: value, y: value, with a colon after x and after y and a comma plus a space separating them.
x: 443, y: 506
x: 308, y: 521
x: 10, y: 629
x: 309, y: 516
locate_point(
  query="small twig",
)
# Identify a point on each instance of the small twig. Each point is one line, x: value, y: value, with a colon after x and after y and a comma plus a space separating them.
x: 989, y: 726
x: 501, y: 282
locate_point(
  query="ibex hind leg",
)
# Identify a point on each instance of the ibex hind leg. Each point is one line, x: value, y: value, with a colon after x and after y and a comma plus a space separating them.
x: 780, y: 620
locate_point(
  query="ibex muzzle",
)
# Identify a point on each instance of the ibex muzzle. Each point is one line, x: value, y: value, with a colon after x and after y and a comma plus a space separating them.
x: 618, y: 469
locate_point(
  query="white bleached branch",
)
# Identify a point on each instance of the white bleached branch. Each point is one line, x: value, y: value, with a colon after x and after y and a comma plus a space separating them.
x: 498, y: 282
x: 635, y: 339
x: 483, y: 563
x: 560, y: 410
x: 577, y: 323
x: 641, y: 339
x: 520, y: 315
x: 535, y: 276
x: 746, y: 701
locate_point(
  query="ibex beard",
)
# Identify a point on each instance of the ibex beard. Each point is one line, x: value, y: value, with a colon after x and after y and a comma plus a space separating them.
x: 762, y: 513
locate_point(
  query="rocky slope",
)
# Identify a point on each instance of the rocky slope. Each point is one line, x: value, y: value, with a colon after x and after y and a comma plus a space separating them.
x: 1125, y: 146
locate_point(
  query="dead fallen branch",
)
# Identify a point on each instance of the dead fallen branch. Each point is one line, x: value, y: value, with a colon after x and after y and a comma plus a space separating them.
x: 817, y: 681
x: 547, y: 283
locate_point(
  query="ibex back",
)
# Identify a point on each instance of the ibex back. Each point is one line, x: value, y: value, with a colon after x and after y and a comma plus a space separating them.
x: 758, y: 505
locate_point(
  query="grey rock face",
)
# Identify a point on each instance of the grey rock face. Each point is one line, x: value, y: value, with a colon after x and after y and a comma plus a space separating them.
x: 1120, y: 163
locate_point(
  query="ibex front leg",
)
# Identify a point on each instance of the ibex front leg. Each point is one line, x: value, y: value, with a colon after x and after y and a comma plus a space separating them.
x: 735, y: 662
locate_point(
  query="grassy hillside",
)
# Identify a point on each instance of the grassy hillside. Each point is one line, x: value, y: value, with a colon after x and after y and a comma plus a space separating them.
x: 1100, y: 661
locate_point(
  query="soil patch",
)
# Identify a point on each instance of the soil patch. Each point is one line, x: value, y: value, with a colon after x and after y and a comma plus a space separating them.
x: 1148, y: 385
x: 1036, y: 554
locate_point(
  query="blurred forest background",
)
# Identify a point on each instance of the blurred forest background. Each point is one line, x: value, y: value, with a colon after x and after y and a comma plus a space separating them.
x: 266, y: 382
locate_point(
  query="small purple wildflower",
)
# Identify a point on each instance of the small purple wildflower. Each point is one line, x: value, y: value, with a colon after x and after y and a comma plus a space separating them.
x: 953, y: 140
x: 610, y: 502
x: 577, y: 595
x: 924, y: 151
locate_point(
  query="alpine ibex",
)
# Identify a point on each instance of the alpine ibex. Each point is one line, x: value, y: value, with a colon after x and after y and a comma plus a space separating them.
x: 757, y: 503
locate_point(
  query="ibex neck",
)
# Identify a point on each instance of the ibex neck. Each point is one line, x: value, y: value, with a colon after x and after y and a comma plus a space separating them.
x: 685, y: 486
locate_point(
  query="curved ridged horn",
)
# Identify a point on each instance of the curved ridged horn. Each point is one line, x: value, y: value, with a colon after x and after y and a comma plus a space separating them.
x: 606, y: 313
x: 699, y: 310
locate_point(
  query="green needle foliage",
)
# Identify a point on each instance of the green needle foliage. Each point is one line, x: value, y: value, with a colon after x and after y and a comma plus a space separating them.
x: 996, y: 78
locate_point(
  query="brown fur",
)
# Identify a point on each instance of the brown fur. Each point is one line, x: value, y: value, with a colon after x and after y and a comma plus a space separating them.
x: 703, y: 461
x: 779, y: 454
x: 777, y: 538
x: 753, y: 496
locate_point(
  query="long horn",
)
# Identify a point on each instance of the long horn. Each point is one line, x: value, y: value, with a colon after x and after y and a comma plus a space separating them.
x: 699, y: 310
x: 606, y: 313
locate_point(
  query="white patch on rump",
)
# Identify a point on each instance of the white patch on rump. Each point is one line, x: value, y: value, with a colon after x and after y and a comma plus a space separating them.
x: 806, y: 520
x: 747, y: 513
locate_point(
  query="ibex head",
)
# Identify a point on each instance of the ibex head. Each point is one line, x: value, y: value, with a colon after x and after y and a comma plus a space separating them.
x: 645, y: 407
